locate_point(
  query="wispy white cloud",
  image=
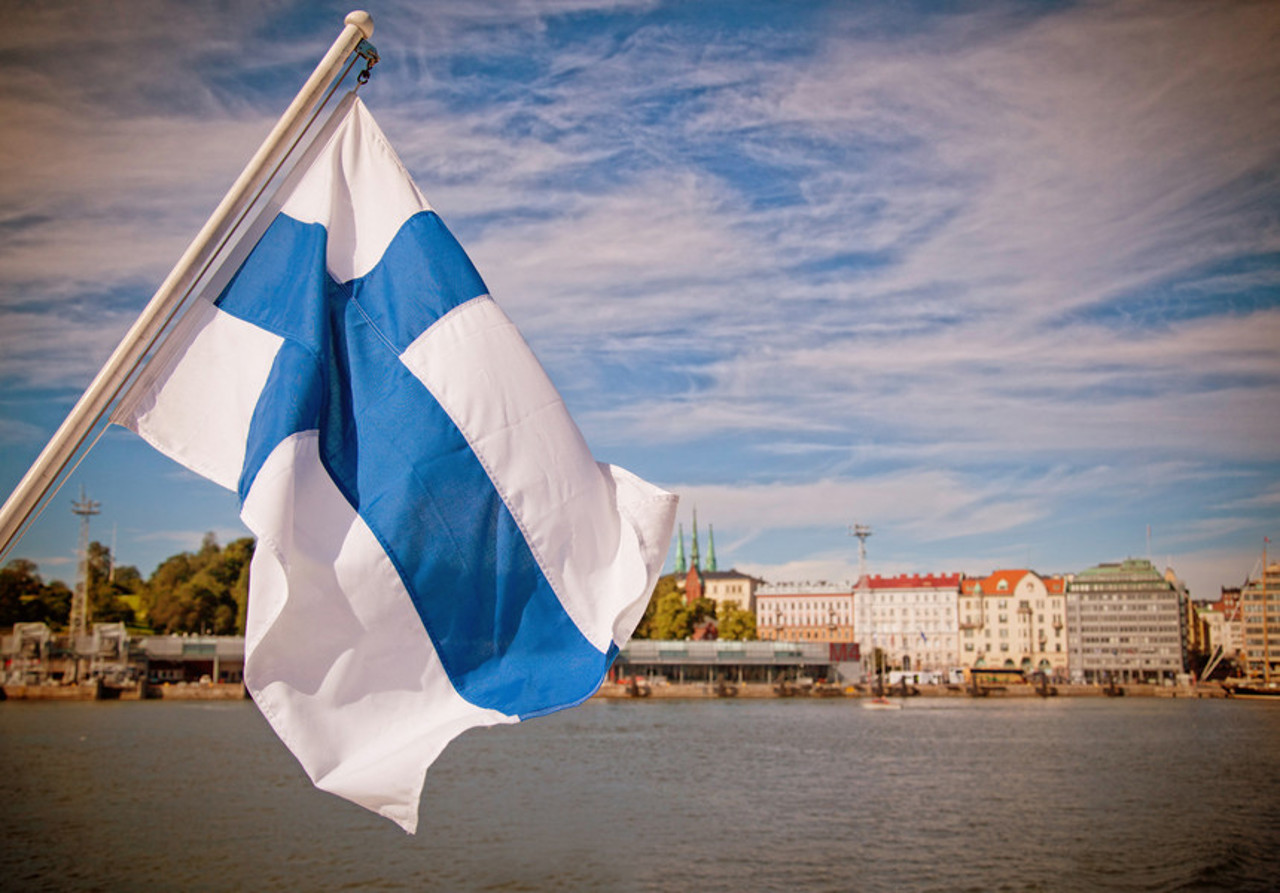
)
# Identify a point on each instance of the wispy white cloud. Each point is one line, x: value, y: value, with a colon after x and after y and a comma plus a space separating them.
x: 189, y: 540
x: 951, y: 271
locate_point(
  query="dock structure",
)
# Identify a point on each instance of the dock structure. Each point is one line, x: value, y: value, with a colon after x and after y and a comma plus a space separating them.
x: 737, y: 662
x: 35, y: 663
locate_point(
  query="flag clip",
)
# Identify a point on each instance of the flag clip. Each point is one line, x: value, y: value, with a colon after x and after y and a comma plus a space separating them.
x: 369, y: 53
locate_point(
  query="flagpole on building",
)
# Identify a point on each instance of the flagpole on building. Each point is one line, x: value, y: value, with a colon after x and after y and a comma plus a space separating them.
x: 26, y: 498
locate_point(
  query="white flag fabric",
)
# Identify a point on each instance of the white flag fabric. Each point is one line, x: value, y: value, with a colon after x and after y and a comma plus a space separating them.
x: 437, y: 548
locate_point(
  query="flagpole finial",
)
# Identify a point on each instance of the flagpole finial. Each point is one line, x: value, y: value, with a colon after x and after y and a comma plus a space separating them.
x: 361, y: 20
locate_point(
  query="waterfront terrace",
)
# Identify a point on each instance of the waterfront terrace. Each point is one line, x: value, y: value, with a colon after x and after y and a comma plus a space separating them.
x: 735, y: 662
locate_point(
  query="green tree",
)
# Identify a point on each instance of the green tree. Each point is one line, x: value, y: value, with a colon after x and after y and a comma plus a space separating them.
x: 163, y: 609
x: 106, y: 588
x: 202, y: 592
x: 236, y: 558
x: 26, y: 598
x: 20, y: 590
x: 672, y: 617
x: 702, y: 609
x: 735, y: 622
x: 666, y: 584
x: 669, y: 615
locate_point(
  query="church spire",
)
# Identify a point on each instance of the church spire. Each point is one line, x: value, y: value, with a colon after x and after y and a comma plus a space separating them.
x: 681, y: 566
x: 711, y: 548
x: 697, y: 563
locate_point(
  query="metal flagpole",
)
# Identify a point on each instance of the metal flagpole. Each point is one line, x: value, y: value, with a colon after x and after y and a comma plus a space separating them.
x: 104, y: 388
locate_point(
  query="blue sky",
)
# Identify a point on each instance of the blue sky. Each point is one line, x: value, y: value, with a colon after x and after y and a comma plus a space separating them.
x: 1001, y: 280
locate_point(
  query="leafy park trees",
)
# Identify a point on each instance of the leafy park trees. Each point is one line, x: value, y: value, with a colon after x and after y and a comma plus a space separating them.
x: 24, y: 596
x: 735, y: 622
x: 202, y: 592
x: 206, y: 591
x: 670, y: 616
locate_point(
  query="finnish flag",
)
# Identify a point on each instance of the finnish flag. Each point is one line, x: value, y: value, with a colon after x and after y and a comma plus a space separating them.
x: 437, y: 548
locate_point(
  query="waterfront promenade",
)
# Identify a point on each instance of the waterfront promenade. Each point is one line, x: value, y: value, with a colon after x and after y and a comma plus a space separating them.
x: 698, y: 690
x: 194, y: 691
x: 96, y: 691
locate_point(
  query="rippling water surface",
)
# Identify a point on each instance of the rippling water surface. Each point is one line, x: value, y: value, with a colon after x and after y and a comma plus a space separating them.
x: 1062, y: 794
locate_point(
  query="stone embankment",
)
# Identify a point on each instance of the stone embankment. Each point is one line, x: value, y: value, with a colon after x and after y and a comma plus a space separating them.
x: 672, y: 690
x: 96, y: 691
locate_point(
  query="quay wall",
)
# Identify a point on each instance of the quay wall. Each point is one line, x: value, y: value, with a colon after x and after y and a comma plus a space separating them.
x: 183, y: 691
x: 198, y: 691
x: 675, y: 690
x: 180, y: 691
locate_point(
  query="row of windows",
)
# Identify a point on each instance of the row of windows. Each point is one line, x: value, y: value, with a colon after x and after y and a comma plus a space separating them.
x: 1004, y: 618
x: 1129, y: 586
x: 1130, y: 624
x: 1125, y: 640
x: 906, y: 598
x: 802, y: 605
x: 805, y: 618
x: 907, y: 612
x: 1131, y: 605
x: 1024, y: 634
x: 1004, y: 646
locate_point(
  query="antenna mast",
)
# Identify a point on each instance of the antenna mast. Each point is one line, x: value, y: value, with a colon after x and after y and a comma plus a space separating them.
x: 85, y: 508
x: 861, y: 531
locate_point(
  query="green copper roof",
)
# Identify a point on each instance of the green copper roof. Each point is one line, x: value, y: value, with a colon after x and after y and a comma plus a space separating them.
x: 697, y: 563
x: 1128, y: 566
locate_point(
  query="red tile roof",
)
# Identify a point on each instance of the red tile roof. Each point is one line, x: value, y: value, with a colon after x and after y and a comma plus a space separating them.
x: 991, y: 584
x: 913, y: 581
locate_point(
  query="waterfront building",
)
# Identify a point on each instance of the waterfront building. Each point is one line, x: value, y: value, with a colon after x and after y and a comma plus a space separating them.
x: 1014, y: 619
x: 33, y: 655
x: 910, y: 619
x: 1195, y: 630
x: 1125, y: 624
x: 218, y: 659
x: 805, y: 612
x: 1261, y: 624
x: 1230, y: 635
x: 656, y: 661
x: 723, y: 587
x: 1216, y: 626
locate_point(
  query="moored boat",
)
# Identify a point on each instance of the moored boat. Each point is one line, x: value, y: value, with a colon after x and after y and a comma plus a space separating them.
x: 1258, y: 691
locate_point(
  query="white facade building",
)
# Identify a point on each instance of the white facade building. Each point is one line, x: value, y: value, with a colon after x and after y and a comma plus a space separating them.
x: 805, y: 612
x: 911, y: 619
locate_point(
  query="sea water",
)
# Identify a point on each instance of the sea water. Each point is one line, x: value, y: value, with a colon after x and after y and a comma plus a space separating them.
x: 715, y: 795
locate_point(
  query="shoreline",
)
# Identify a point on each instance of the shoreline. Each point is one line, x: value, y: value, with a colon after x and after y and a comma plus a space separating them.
x: 184, y: 691
x: 756, y: 690
x: 97, y: 691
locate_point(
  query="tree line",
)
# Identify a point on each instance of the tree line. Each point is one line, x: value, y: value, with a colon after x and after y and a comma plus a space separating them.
x: 669, y: 616
x: 205, y: 591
